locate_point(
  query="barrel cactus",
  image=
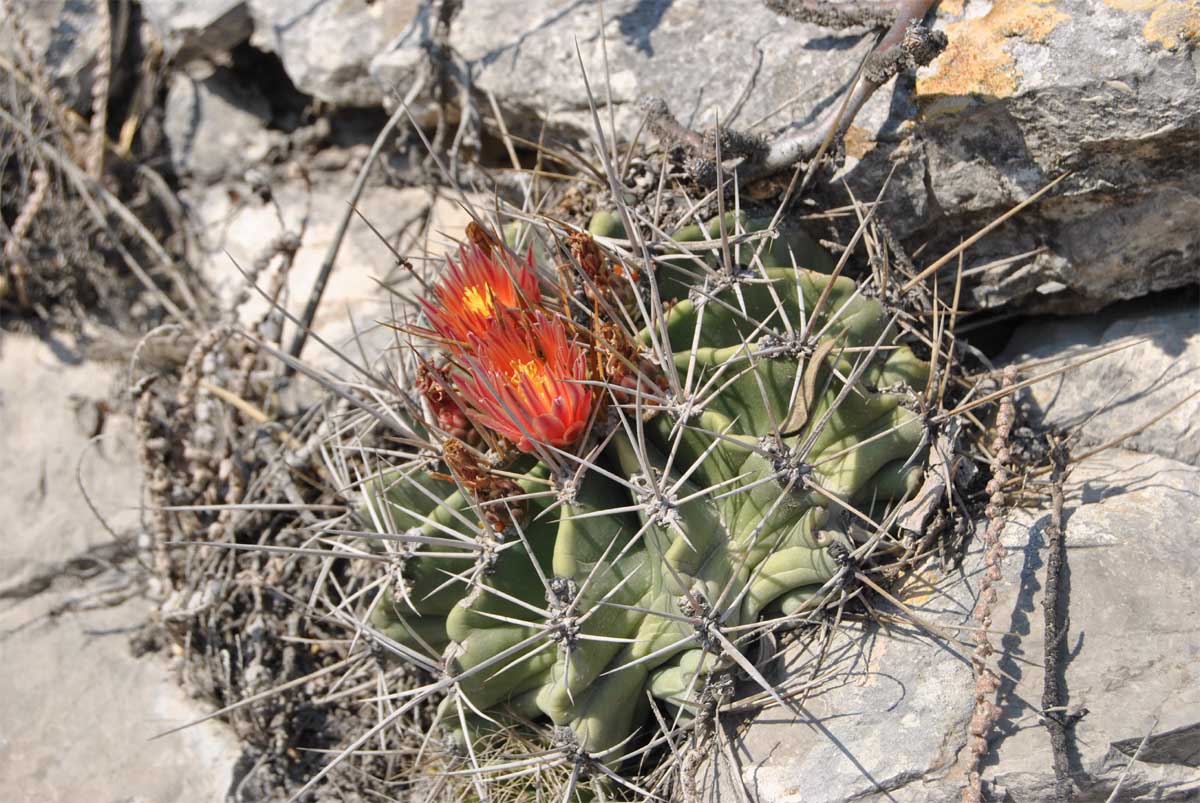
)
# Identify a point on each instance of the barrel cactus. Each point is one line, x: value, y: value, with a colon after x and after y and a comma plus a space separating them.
x: 611, y: 473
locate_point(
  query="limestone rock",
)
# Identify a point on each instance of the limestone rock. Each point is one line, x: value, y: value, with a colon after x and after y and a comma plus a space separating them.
x: 326, y: 48
x: 1133, y: 642
x: 63, y: 36
x: 189, y: 28
x: 78, y: 712
x: 1026, y: 90
x: 237, y: 226
x: 215, y: 126
x: 1132, y: 386
x: 892, y: 724
x: 77, y: 709
x: 699, y: 56
x: 52, y: 405
x: 887, y: 722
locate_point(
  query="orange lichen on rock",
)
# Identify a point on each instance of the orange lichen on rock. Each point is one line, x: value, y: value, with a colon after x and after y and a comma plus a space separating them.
x: 975, y: 62
x: 1171, y: 23
x: 1133, y: 5
x: 1174, y: 24
x: 858, y: 141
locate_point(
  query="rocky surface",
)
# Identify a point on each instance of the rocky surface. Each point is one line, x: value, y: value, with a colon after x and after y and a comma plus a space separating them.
x: 700, y: 57
x: 189, y: 29
x: 48, y: 383
x: 78, y: 708
x: 1026, y: 90
x: 327, y: 48
x: 63, y: 36
x: 888, y: 722
x: 236, y: 227
x: 1123, y: 391
x: 215, y: 125
x: 1134, y: 643
x: 895, y: 727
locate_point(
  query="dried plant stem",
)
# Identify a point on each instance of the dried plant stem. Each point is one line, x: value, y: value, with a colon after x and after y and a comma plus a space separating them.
x: 152, y: 454
x: 1056, y: 622
x: 92, y: 193
x: 360, y: 183
x: 905, y: 43
x: 14, y: 251
x: 97, y: 140
x: 33, y: 72
x: 986, y: 680
x: 250, y: 411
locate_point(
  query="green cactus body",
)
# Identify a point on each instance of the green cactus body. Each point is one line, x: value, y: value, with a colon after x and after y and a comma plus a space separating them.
x: 793, y: 246
x: 641, y: 577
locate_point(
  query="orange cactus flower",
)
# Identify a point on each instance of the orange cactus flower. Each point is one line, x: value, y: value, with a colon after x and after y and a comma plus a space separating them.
x: 526, y: 383
x: 479, y: 289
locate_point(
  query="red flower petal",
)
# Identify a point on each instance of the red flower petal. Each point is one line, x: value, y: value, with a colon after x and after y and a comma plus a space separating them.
x: 479, y: 289
x: 526, y: 383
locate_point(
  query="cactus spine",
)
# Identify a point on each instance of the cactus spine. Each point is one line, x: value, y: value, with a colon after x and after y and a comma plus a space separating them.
x: 603, y: 510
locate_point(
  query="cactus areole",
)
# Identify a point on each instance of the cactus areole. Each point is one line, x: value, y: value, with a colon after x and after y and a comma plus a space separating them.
x: 614, y: 505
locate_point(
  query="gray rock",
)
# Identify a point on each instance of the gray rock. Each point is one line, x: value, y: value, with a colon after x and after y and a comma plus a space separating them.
x: 327, y: 47
x: 887, y: 722
x: 78, y: 712
x: 698, y: 56
x: 893, y: 726
x: 215, y: 126
x: 1025, y: 91
x: 49, y: 403
x: 190, y: 29
x: 63, y: 36
x: 1134, y: 641
x: 1131, y: 386
x: 235, y: 226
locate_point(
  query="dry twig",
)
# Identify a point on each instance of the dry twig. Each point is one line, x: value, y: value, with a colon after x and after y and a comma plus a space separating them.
x: 1056, y: 624
x: 986, y: 681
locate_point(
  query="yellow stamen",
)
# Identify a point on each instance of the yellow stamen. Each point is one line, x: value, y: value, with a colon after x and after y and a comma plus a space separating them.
x: 533, y: 370
x: 478, y: 299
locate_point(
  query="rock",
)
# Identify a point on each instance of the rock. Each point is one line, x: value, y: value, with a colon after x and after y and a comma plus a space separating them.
x: 1026, y: 90
x: 885, y: 724
x: 1134, y: 642
x: 191, y: 29
x: 888, y: 725
x: 698, y: 56
x: 1132, y: 386
x: 892, y: 725
x: 326, y: 48
x: 77, y: 709
x: 51, y: 405
x: 238, y: 227
x: 63, y: 36
x: 78, y: 712
x: 215, y: 126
